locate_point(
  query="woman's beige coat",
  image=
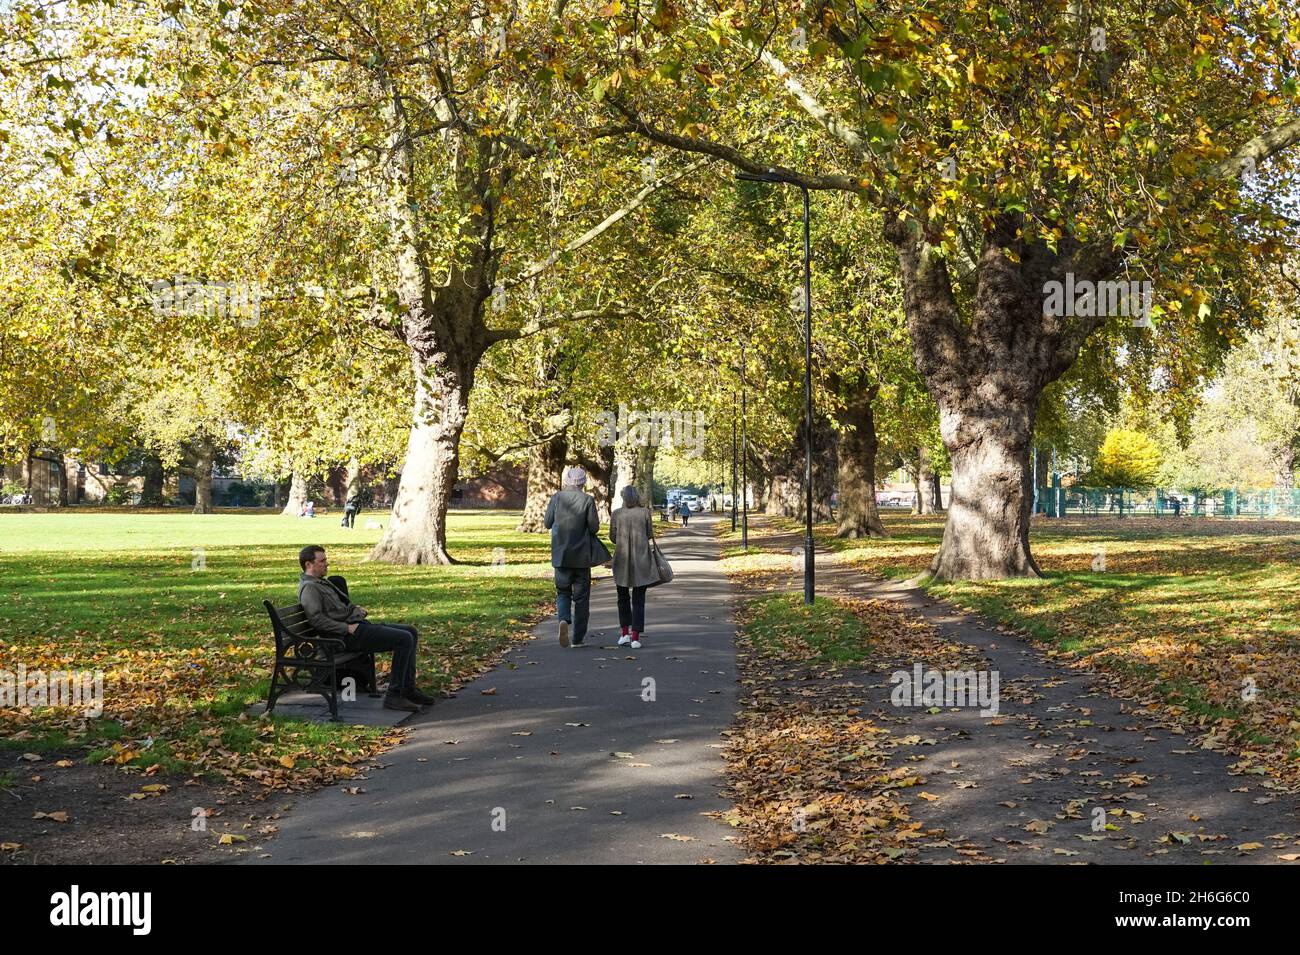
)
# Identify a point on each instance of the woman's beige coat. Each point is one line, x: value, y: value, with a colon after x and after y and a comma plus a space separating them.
x: 630, y: 529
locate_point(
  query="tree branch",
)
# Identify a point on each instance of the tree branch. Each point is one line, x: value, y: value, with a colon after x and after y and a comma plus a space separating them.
x: 694, y: 144
x: 606, y: 224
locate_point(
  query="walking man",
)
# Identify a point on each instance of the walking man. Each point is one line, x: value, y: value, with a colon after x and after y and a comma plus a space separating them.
x: 575, y: 549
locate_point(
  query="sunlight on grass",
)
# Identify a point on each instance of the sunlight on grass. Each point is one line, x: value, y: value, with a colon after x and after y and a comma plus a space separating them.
x: 169, y: 607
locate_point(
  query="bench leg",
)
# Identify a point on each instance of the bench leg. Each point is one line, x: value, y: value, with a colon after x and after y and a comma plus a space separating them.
x: 372, y: 688
x: 333, y: 695
x: 276, y: 688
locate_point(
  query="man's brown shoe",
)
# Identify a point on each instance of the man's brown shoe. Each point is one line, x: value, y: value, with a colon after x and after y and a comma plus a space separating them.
x: 394, y: 702
x: 415, y: 696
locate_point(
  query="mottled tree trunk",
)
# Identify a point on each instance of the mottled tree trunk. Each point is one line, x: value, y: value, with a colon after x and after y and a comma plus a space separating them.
x: 624, y: 472
x: 924, y: 482
x: 441, y: 323
x: 987, y: 532
x: 859, y: 516
x: 1286, y: 469
x: 352, y: 481
x: 545, y: 471
x: 417, y: 531
x: 783, y: 492
x: 151, y: 490
x: 645, y: 472
x: 204, y: 457
x: 297, y: 495
x: 601, y: 468
x: 61, y: 483
x: 824, y: 463
x: 1043, y: 477
x: 986, y: 372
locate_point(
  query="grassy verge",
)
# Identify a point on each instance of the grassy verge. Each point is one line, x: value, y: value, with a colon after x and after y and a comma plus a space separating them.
x: 168, y: 607
x: 828, y: 632
x: 1197, y: 615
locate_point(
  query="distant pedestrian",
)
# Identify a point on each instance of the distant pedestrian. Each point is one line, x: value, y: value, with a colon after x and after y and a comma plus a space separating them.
x: 575, y: 549
x: 1178, y: 507
x: 350, y: 508
x: 631, y: 529
x: 684, y: 510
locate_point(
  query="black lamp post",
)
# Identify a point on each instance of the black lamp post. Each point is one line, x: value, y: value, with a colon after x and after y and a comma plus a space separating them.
x: 744, y: 456
x: 733, y: 462
x: 772, y: 176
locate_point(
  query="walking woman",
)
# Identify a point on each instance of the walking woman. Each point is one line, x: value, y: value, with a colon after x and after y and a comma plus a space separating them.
x: 630, y: 528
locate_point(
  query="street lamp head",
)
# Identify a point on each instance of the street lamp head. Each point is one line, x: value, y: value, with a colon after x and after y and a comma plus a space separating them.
x: 771, y: 175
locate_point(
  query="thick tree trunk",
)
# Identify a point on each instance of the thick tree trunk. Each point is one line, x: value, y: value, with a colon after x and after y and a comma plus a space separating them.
x: 204, y: 457
x: 859, y: 515
x: 986, y: 535
x: 825, y: 454
x: 645, y: 472
x: 417, y: 530
x: 914, y: 472
x: 986, y: 372
x: 625, y: 464
x: 61, y: 486
x: 352, y: 480
x: 601, y: 469
x: 72, y: 479
x: 1286, y: 469
x: 783, y: 495
x: 171, y: 485
x: 545, y: 471
x: 925, y: 483
x: 297, y: 495
x: 1043, y: 477
x: 151, y: 491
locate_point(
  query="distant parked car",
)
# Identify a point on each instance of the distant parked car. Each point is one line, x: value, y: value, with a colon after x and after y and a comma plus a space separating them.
x: 894, y: 498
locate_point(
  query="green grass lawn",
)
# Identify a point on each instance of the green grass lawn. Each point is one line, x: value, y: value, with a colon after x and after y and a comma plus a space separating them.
x: 1200, y: 613
x: 828, y: 632
x: 169, y: 606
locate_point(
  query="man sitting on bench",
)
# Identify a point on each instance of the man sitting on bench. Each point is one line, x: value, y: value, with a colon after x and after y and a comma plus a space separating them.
x: 332, y: 614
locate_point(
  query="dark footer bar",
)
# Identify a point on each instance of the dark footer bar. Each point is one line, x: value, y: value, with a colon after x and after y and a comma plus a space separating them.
x: 142, y: 906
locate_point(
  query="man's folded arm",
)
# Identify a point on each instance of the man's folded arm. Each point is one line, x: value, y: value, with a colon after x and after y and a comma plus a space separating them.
x: 315, y: 607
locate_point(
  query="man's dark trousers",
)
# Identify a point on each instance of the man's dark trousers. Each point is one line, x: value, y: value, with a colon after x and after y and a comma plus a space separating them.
x: 400, y: 638
x: 573, y: 598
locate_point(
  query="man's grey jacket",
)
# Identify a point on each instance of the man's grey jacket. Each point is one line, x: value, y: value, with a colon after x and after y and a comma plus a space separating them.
x: 327, y: 609
x: 571, y: 516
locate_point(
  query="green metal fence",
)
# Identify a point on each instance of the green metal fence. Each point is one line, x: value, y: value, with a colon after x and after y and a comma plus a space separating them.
x: 1158, y: 502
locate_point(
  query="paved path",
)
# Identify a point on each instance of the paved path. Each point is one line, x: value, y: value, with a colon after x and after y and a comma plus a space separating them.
x: 1024, y: 787
x: 564, y: 729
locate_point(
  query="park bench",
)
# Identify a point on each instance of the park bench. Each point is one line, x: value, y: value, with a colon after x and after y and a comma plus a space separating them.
x: 308, y: 661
